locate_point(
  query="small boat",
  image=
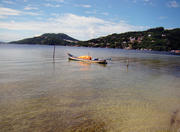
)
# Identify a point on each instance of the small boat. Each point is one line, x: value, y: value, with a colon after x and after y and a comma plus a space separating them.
x: 175, y: 52
x: 87, y: 59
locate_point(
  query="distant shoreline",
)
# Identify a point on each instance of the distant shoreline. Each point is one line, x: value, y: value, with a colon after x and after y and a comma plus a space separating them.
x: 143, y: 51
x: 155, y: 39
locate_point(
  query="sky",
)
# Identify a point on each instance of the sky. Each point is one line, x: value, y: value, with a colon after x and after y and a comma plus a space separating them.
x: 84, y: 19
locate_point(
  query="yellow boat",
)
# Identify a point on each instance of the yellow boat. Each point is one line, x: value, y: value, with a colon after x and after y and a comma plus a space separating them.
x: 87, y: 59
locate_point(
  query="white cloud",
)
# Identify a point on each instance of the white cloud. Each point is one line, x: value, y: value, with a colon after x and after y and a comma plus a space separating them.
x: 30, y: 7
x: 32, y: 13
x: 91, y: 12
x: 79, y: 27
x: 8, y: 12
x: 148, y: 2
x: 6, y: 36
x: 173, y: 4
x: 51, y: 5
x: 97, y: 12
x: 8, y: 2
x: 145, y: 2
x: 2, y: 17
x: 61, y: 1
x: 83, y: 5
x: 86, y: 6
x: 4, y: 12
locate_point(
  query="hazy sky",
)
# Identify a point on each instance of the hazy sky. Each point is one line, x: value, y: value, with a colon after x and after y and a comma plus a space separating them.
x: 84, y: 19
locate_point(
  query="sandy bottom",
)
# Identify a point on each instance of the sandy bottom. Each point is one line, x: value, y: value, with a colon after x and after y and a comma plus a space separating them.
x: 86, y: 110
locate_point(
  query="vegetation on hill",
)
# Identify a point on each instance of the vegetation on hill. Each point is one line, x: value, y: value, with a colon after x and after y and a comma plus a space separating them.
x: 49, y: 39
x: 153, y: 39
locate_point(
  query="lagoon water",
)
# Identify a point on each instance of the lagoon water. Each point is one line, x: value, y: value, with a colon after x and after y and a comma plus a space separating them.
x: 38, y: 94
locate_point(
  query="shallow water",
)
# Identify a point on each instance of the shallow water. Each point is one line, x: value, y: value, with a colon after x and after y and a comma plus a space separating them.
x: 39, y: 94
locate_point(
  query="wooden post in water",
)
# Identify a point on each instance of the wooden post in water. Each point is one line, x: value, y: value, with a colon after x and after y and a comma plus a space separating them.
x: 127, y: 63
x: 54, y: 52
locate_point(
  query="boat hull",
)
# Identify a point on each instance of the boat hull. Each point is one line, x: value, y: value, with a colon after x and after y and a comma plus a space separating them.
x: 88, y: 61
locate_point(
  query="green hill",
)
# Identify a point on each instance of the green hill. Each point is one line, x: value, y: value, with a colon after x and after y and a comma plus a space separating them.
x: 153, y: 39
x: 159, y: 39
x: 49, y: 39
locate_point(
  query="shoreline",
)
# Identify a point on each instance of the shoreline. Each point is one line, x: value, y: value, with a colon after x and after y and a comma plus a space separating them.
x: 172, y: 52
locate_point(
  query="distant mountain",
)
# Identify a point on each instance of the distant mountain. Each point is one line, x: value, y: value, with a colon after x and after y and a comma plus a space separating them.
x: 153, y: 39
x: 49, y: 39
x: 2, y: 42
x: 159, y: 39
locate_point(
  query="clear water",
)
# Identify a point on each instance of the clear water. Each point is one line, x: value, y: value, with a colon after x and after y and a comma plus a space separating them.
x: 38, y: 94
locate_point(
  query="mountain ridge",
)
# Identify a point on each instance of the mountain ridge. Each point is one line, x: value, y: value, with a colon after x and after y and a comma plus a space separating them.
x: 158, y: 39
x: 48, y: 39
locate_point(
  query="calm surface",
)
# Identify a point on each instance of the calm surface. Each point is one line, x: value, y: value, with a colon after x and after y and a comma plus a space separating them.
x: 39, y: 95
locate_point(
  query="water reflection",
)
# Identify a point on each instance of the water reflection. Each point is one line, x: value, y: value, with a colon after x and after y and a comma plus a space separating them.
x: 84, y: 66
